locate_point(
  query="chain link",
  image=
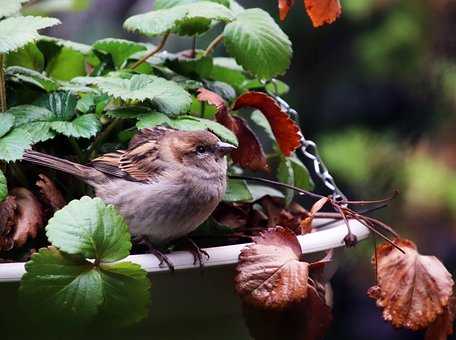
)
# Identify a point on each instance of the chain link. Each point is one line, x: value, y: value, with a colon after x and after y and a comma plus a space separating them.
x: 310, y: 150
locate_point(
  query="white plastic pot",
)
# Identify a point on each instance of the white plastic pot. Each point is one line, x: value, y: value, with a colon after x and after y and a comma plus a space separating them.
x: 195, y: 304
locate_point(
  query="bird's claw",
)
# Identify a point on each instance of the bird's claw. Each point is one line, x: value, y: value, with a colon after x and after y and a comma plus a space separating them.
x: 164, y: 260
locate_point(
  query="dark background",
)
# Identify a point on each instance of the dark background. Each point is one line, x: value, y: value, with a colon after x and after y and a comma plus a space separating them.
x: 377, y: 91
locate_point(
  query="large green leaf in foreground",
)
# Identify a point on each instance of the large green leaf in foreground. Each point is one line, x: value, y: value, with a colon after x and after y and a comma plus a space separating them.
x: 75, y: 291
x: 3, y: 187
x: 258, y: 44
x: 91, y: 228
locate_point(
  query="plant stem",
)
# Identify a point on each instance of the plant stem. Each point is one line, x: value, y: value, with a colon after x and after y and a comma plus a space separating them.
x: 214, y: 43
x: 193, y: 47
x: 2, y: 85
x: 77, y: 149
x: 103, y: 135
x: 152, y: 52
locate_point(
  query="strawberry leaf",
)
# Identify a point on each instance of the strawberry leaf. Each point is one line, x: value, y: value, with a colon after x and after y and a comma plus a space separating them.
x: 3, y: 187
x: 91, y: 228
x: 258, y: 44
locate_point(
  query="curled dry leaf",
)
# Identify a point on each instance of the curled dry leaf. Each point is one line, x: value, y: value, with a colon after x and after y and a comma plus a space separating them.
x: 323, y: 11
x: 270, y: 274
x: 52, y: 196
x: 306, y: 224
x: 250, y: 153
x: 278, y: 213
x: 442, y: 327
x: 413, y: 289
x: 286, y: 131
x: 284, y: 8
x: 7, y: 222
x: 29, y: 216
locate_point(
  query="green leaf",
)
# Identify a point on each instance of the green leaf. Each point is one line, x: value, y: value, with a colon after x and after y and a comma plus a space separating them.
x: 63, y: 43
x: 200, y: 66
x: 228, y: 71
x: 237, y: 191
x: 13, y: 145
x: 191, y: 123
x: 186, y: 19
x: 61, y: 104
x: 285, y: 175
x: 119, y: 49
x: 10, y: 7
x: 301, y: 175
x: 91, y: 228
x: 16, y: 32
x: 259, y: 191
x: 69, y: 287
x: 84, y: 126
x: 153, y: 119
x: 76, y: 291
x: 30, y: 113
x: 166, y: 95
x: 66, y: 65
x: 161, y: 4
x: 25, y: 75
x: 28, y: 56
x: 258, y: 44
x: 128, y: 112
x: 3, y: 187
x: 6, y: 123
x: 126, y: 288
x: 34, y: 120
x: 53, y: 6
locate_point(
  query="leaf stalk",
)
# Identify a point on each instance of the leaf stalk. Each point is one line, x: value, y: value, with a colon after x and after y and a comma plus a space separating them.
x: 2, y: 84
x: 153, y: 51
x: 214, y: 43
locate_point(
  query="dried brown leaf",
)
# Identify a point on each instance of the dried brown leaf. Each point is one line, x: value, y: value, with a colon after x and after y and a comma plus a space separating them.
x: 413, y: 289
x: 51, y: 194
x: 279, y: 214
x: 7, y: 223
x: 269, y: 273
x: 284, y: 8
x: 306, y: 224
x: 250, y: 153
x: 322, y: 11
x: 29, y: 214
x: 286, y: 131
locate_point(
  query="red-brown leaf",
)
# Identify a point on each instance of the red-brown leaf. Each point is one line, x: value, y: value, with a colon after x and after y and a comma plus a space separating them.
x: 29, y: 214
x: 308, y: 319
x: 442, y: 327
x: 250, y: 153
x: 285, y: 130
x: 269, y: 273
x: 211, y: 98
x: 7, y: 222
x: 323, y: 11
x: 284, y: 8
x: 412, y: 289
x: 51, y: 194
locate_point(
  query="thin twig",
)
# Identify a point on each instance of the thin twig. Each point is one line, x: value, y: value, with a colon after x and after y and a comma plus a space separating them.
x: 376, y: 258
x: 384, y: 200
x: 152, y: 52
x: 2, y: 85
x: 268, y: 181
x: 214, y: 43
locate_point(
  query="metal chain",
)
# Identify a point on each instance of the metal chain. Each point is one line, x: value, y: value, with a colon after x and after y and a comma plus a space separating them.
x: 309, y: 150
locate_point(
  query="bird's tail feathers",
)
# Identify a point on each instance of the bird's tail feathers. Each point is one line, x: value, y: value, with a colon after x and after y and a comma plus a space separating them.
x: 60, y: 164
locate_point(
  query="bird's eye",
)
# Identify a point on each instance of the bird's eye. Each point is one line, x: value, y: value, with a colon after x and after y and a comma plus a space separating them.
x: 200, y: 149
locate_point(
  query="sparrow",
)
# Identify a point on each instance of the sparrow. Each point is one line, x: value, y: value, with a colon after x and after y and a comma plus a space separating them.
x: 165, y: 184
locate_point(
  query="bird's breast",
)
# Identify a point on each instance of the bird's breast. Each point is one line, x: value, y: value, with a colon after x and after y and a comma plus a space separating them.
x: 166, y: 210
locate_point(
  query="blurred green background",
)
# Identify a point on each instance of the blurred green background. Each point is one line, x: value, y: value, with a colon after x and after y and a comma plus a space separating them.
x: 377, y: 91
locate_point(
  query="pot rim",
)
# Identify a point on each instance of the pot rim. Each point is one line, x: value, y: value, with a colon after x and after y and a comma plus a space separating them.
x: 323, y: 239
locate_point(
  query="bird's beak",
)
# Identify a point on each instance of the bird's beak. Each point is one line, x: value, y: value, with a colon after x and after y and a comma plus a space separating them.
x: 224, y: 148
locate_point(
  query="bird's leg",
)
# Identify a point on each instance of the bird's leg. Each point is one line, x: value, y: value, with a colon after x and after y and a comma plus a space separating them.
x: 152, y: 249
x: 197, y: 252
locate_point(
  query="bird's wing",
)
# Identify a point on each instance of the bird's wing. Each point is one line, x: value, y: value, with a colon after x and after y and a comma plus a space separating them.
x: 140, y: 162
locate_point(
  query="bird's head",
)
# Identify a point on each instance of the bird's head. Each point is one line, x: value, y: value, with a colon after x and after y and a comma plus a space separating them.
x: 198, y: 149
